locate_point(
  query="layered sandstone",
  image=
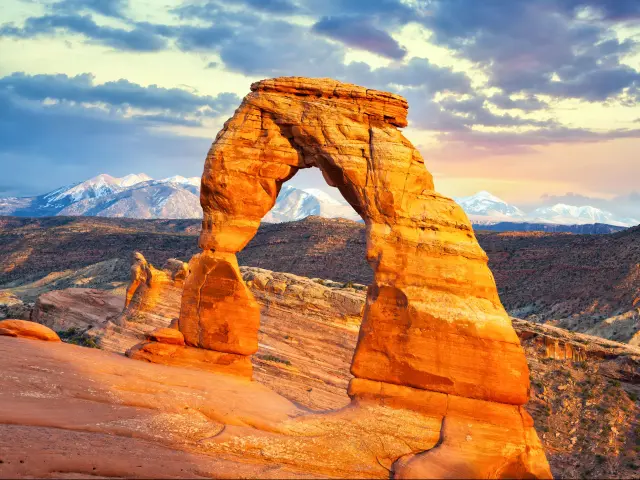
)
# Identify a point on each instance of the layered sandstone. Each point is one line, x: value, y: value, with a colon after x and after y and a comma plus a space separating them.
x: 153, y: 293
x: 432, y: 319
x: 569, y: 400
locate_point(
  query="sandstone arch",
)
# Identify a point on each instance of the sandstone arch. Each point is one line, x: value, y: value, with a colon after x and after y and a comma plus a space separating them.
x: 433, y: 321
x: 433, y: 318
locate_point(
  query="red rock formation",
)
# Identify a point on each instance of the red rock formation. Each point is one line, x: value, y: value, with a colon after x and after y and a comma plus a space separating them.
x: 27, y: 329
x: 152, y: 294
x: 218, y: 312
x: 433, y: 320
x: 169, y: 336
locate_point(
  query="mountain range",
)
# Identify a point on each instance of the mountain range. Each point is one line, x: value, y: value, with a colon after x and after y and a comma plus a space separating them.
x: 484, y: 208
x: 177, y: 197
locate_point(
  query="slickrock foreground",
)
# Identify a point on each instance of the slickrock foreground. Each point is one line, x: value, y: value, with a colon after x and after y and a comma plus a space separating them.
x: 434, y: 338
x: 584, y: 410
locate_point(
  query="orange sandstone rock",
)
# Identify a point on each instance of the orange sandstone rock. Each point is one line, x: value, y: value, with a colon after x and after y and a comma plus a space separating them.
x: 27, y: 329
x: 169, y: 336
x: 152, y: 294
x: 433, y: 319
x: 218, y: 311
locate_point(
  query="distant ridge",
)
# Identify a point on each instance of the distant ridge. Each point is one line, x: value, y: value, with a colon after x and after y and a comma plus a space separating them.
x: 177, y: 197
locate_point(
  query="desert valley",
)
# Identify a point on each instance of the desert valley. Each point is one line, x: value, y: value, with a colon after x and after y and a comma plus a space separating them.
x: 406, y: 345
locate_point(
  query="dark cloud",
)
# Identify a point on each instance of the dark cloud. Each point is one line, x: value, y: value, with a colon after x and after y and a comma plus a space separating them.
x: 455, y: 114
x: 118, y: 95
x: 358, y: 32
x: 389, y: 12
x: 527, y: 104
x: 273, y: 6
x: 108, y: 8
x: 539, y: 47
x: 524, y: 142
x: 613, y: 10
x: 419, y: 72
x: 209, y: 38
x: 139, y: 39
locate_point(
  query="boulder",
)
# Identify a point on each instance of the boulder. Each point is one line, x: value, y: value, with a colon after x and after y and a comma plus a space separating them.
x: 27, y: 329
x: 13, y: 307
x: 218, y: 312
x: 169, y: 336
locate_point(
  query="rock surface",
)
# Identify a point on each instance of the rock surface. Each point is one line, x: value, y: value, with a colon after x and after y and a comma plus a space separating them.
x: 80, y: 308
x: 12, y: 307
x: 310, y: 324
x: 173, y: 354
x: 27, y: 329
x: 217, y: 311
x: 307, y: 340
x: 432, y: 321
x: 170, y: 336
x: 152, y: 294
x: 204, y: 424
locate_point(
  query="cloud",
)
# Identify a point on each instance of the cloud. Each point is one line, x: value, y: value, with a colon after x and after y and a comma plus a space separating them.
x: 45, y: 146
x: 140, y: 39
x: 272, y: 6
x: 119, y: 95
x: 612, y: 10
x: 528, y: 104
x: 476, y: 113
x: 108, y: 8
x: 482, y: 143
x: 358, y: 32
x: 539, y: 47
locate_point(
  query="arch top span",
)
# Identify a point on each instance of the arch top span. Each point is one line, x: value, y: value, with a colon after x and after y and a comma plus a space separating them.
x: 389, y: 107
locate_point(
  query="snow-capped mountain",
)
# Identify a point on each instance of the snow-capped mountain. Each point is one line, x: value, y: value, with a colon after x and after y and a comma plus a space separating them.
x: 296, y: 204
x: 140, y: 196
x: 180, y: 180
x: 562, y: 214
x: 483, y: 208
x: 485, y: 204
x: 135, y: 196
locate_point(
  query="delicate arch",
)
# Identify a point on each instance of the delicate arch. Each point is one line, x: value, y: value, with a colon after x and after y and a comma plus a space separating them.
x: 433, y: 319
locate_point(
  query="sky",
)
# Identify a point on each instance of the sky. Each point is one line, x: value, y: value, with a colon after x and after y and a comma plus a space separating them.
x: 535, y: 101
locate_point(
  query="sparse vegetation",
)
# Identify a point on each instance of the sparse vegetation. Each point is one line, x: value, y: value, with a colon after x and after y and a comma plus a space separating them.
x: 273, y: 358
x: 77, y: 336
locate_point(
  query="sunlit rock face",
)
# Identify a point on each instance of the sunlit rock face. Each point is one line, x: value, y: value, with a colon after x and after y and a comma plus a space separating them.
x: 433, y: 321
x: 153, y: 293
